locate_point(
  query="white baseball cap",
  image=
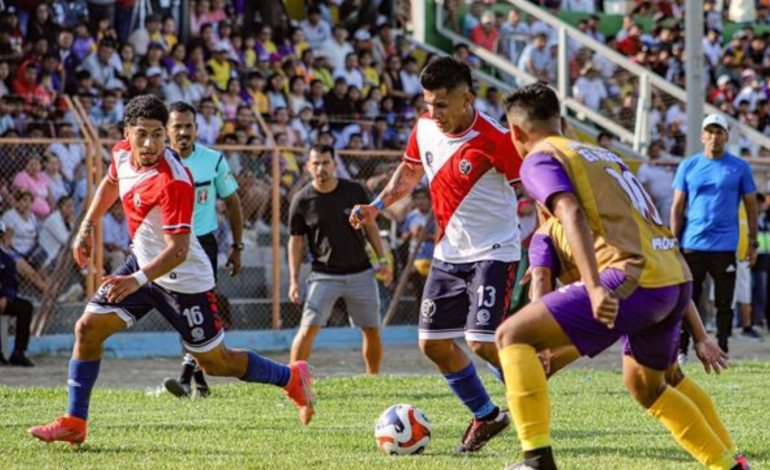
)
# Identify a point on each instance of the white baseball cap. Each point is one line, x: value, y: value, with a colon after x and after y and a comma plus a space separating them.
x: 715, y: 120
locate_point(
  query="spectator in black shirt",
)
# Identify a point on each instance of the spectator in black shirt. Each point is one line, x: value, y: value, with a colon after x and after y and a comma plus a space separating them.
x: 13, y: 305
x: 340, y: 266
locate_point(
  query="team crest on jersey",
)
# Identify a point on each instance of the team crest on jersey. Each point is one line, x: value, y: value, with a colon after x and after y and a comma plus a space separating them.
x: 428, y: 309
x: 197, y: 333
x: 137, y: 200
x: 482, y: 317
x: 203, y: 196
x: 429, y: 158
x: 465, y: 166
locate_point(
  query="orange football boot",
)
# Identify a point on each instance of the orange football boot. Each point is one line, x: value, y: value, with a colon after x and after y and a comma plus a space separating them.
x: 300, y: 391
x: 66, y: 429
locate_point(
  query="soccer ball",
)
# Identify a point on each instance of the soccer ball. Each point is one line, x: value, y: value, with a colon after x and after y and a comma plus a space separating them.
x: 402, y: 430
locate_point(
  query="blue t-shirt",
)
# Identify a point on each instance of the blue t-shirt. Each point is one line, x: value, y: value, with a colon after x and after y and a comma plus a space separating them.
x: 714, y: 189
x: 213, y: 179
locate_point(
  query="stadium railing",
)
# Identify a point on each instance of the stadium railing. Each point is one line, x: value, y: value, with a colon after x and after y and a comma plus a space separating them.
x: 636, y: 130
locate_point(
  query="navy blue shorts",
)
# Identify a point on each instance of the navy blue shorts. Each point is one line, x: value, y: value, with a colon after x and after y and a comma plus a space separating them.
x: 194, y: 316
x: 466, y: 299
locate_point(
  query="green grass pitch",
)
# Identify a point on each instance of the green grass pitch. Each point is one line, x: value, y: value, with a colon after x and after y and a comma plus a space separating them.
x: 596, y: 425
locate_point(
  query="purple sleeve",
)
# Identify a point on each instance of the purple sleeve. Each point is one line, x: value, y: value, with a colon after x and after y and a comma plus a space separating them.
x: 542, y: 254
x: 543, y: 176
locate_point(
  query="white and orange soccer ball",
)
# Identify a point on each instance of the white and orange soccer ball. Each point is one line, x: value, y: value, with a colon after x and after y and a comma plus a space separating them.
x: 402, y: 430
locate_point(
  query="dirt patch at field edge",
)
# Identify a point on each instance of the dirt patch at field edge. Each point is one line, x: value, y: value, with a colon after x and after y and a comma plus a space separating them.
x: 51, y: 371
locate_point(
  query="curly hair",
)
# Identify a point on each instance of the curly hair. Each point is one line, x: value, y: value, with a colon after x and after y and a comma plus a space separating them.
x: 445, y: 72
x: 147, y: 107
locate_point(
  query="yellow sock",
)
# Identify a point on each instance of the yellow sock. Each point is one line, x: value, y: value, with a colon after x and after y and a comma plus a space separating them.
x: 527, y: 393
x: 690, y: 429
x: 703, y: 402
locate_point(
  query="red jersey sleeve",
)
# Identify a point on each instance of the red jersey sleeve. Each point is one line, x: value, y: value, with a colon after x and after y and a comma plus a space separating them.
x: 176, y: 205
x: 112, y: 171
x: 412, y: 153
x: 506, y: 159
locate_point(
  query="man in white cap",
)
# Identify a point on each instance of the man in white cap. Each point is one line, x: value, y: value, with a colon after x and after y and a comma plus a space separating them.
x: 176, y: 89
x: 708, y: 189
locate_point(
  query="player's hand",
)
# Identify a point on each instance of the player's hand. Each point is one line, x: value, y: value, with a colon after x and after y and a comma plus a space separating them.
x: 362, y: 214
x: 294, y: 293
x: 711, y: 355
x: 386, y: 274
x: 603, y: 306
x: 752, y: 256
x: 234, y: 262
x: 527, y: 277
x: 545, y: 359
x: 117, y: 288
x: 84, y: 242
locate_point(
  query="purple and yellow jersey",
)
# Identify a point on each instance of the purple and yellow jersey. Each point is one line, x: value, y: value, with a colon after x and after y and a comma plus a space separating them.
x: 549, y: 249
x: 628, y: 232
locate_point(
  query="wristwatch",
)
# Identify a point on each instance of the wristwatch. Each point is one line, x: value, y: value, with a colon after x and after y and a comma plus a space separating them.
x: 238, y: 246
x: 754, y: 244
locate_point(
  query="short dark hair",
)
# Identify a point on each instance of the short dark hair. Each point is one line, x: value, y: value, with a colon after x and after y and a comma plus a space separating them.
x: 181, y: 107
x: 145, y: 106
x: 445, y: 72
x: 321, y: 149
x: 537, y: 101
x: 602, y: 135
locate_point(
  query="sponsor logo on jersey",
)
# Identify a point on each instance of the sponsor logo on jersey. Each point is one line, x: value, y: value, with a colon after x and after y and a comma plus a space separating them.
x: 203, y: 196
x: 465, y: 166
x: 664, y: 243
x: 197, y: 333
x: 429, y: 158
x: 137, y: 200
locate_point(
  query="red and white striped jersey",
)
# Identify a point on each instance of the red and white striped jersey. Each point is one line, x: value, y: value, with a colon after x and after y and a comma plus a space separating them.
x: 470, y: 178
x: 159, y: 201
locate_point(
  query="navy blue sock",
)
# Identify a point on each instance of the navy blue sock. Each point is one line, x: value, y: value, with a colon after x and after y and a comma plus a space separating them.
x: 265, y: 371
x: 82, y: 377
x: 469, y: 389
x: 496, y: 372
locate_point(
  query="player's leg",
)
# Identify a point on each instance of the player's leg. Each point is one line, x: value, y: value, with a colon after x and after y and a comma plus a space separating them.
x: 363, y: 302
x: 490, y: 293
x: 196, y: 319
x: 677, y: 413
x: 322, y: 292
x: 649, y: 354
x: 723, y: 269
x: 443, y: 316
x: 676, y: 378
x: 100, y: 320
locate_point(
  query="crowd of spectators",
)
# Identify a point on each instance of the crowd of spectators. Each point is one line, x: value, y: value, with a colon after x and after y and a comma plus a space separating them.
x: 736, y: 69
x: 339, y: 76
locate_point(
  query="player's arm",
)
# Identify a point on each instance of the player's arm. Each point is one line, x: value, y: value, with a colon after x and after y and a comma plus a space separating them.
x: 373, y: 236
x: 709, y: 353
x: 106, y: 195
x: 677, y: 213
x: 542, y: 282
x: 235, y: 216
x: 568, y: 210
x: 296, y: 250
x: 403, y: 182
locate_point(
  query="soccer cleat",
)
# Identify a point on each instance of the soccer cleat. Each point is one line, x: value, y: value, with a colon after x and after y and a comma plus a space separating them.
x: 480, y: 432
x: 177, y: 388
x: 202, y: 392
x: 66, y: 429
x: 751, y: 333
x: 299, y: 390
x: 19, y: 359
x: 741, y: 463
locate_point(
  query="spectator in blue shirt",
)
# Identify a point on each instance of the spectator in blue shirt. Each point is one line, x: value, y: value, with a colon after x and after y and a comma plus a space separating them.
x: 708, y: 189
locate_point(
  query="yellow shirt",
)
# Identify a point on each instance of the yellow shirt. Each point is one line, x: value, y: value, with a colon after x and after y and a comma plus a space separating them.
x: 220, y: 73
x: 628, y: 232
x: 743, y: 233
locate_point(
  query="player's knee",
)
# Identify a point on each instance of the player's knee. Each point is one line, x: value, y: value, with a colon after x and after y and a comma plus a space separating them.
x: 85, y: 329
x: 487, y: 351
x: 674, y: 376
x: 505, y: 335
x: 435, y: 350
x: 644, y: 392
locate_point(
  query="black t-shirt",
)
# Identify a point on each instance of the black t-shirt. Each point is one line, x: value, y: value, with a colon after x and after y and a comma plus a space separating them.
x: 336, y: 247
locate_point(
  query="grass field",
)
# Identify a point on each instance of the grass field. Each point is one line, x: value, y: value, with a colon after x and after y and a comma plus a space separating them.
x: 596, y: 426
